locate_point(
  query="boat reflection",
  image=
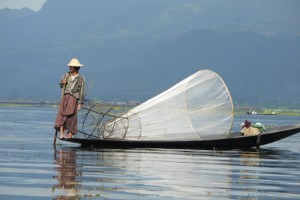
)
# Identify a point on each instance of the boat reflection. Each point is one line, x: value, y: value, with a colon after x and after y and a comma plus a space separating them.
x: 160, y: 173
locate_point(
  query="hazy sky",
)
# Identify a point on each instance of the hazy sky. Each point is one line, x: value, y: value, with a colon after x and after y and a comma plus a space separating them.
x: 32, y: 4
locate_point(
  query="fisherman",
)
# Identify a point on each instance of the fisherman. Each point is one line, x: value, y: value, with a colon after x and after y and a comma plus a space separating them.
x: 72, y: 84
x: 248, y: 129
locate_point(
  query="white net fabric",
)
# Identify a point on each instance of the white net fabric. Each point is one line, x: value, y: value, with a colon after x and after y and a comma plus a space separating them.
x: 197, y: 108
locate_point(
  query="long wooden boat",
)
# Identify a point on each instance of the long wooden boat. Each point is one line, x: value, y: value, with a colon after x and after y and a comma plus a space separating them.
x: 196, y: 113
x: 236, y: 141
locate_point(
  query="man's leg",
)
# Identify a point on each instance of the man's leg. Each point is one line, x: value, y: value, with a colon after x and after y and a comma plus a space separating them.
x: 61, y: 131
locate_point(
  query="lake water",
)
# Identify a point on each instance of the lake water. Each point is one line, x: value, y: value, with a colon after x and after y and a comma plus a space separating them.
x: 31, y: 168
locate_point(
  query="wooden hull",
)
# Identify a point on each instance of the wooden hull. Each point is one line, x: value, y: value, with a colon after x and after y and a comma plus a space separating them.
x: 235, y: 142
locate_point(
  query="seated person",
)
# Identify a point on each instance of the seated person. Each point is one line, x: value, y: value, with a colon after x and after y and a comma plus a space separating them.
x: 248, y: 130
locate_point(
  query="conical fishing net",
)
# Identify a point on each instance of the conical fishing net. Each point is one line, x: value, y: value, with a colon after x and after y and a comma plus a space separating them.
x: 197, y: 108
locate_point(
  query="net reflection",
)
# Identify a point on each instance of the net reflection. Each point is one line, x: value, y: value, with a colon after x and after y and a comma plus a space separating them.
x: 143, y: 173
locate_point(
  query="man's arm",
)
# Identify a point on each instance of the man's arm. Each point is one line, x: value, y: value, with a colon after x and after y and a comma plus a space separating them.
x: 63, y: 80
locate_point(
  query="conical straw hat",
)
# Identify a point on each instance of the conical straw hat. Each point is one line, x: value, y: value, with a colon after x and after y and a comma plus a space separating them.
x: 75, y: 63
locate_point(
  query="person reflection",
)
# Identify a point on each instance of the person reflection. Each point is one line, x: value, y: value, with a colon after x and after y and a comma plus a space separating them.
x: 250, y: 158
x: 66, y: 162
x: 249, y: 162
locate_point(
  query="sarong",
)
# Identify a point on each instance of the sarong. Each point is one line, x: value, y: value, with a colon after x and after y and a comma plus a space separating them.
x: 67, y: 115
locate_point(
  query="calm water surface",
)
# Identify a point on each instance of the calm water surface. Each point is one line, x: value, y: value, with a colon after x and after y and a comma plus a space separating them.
x: 30, y: 167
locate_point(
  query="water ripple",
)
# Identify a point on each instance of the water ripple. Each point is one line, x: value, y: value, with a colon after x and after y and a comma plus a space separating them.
x: 31, y: 169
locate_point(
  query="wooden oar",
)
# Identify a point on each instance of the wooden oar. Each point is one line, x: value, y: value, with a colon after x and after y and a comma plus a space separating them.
x: 55, y: 136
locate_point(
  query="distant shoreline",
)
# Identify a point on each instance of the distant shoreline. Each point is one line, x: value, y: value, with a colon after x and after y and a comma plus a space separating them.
x: 238, y: 111
x: 49, y: 105
x: 27, y: 103
x: 269, y: 112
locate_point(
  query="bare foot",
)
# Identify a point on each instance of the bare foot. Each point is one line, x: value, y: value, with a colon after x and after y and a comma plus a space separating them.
x: 70, y: 135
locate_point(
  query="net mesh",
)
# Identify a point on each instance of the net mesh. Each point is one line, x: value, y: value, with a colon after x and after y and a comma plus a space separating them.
x: 197, y: 108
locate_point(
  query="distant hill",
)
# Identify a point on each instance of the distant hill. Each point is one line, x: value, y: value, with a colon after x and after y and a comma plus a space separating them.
x: 8, y: 15
x: 135, y: 49
x: 256, y: 68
